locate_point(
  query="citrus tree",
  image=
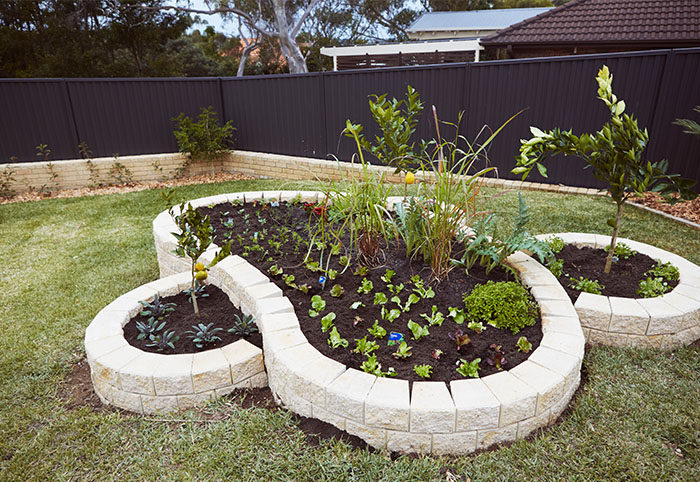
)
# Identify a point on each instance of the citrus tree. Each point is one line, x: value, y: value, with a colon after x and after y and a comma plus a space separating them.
x: 615, y: 153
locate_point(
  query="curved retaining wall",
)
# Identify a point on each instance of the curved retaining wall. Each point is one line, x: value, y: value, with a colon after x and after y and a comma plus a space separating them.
x: 433, y: 417
x: 663, y: 322
x: 144, y: 382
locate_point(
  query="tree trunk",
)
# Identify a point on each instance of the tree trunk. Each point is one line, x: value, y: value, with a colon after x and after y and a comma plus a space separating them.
x: 193, y: 295
x: 613, y: 241
x: 244, y: 57
x: 290, y: 49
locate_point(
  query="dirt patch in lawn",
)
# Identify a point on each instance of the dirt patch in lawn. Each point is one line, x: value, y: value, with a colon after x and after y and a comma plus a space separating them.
x: 623, y: 279
x: 214, y: 308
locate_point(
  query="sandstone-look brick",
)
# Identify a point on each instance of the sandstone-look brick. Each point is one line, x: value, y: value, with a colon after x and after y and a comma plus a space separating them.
x: 628, y: 316
x: 550, y: 386
x: 137, y: 375
x: 194, y: 399
x: 685, y: 337
x: 561, y: 324
x: 566, y: 365
x: 276, y: 341
x: 376, y: 437
x: 245, y: 360
x: 258, y: 381
x: 124, y: 304
x: 404, y: 442
x: 387, y: 405
x: 567, y: 343
x: 549, y: 292
x: 126, y: 400
x: 165, y: 287
x: 174, y: 375
x: 142, y: 293
x: 518, y: 400
x: 607, y: 338
x: 328, y: 417
x: 346, y: 394
x: 461, y: 443
x: 250, y: 196
x: 106, y: 324
x: 664, y: 318
x: 258, y: 293
x: 104, y: 346
x: 210, y: 370
x: 477, y: 406
x: 106, y: 367
x: 557, y: 308
x: 273, y: 306
x: 526, y: 427
x: 487, y: 437
x: 159, y: 404
x: 308, y: 379
x: 277, y: 322
x: 432, y: 408
x: 594, y: 311
x: 688, y: 306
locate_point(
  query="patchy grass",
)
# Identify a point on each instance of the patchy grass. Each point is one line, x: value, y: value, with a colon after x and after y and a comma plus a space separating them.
x: 64, y: 259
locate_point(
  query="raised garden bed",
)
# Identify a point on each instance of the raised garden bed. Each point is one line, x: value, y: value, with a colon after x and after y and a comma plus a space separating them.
x: 431, y: 416
x: 666, y: 321
x: 133, y: 379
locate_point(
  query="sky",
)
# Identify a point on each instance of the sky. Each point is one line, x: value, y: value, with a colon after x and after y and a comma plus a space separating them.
x: 215, y: 21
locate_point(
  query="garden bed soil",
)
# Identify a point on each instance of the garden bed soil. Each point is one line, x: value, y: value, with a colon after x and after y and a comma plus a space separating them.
x: 240, y: 223
x: 215, y: 308
x: 623, y: 279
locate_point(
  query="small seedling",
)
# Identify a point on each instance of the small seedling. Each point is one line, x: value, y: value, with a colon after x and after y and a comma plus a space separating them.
x: 653, y: 287
x: 556, y: 267
x: 586, y: 285
x: 459, y: 337
x: 365, y: 287
x: 337, y: 291
x: 317, y: 303
x: 376, y: 330
x: 621, y: 251
x: 202, y: 334
x: 164, y: 341
x: 335, y: 340
x: 524, y: 345
x: 356, y: 305
x: 458, y: 315
x: 357, y: 320
x: 380, y: 299
x: 344, y: 261
x: 365, y: 347
x: 419, y: 332
x: 243, y: 326
x: 395, y: 289
x: 274, y: 270
x: 390, y: 315
x: 403, y: 351
x: 157, y: 308
x: 388, y: 275
x: 372, y: 366
x: 420, y: 289
x: 497, y: 357
x: 289, y: 280
x: 423, y: 371
x: 361, y: 271
x: 469, y: 369
x: 435, y: 318
x: 327, y: 322
x: 437, y: 353
x: 664, y: 270
x: 556, y: 244
x: 476, y: 326
x: 412, y: 300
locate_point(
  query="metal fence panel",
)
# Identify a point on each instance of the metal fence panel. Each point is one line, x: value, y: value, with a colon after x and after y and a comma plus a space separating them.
x: 35, y: 112
x: 134, y: 116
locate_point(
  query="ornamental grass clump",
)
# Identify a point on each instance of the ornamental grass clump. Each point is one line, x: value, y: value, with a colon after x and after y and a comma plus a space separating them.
x: 616, y: 154
x: 504, y: 304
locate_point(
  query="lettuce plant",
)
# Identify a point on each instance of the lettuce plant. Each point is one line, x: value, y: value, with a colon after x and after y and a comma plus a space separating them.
x: 335, y: 340
x: 469, y: 369
x: 419, y: 332
x: 365, y: 347
x: 376, y: 330
x: 423, y: 371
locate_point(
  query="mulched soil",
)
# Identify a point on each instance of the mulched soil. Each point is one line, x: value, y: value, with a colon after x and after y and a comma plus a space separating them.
x: 215, y: 308
x: 242, y: 222
x: 689, y: 210
x: 623, y: 279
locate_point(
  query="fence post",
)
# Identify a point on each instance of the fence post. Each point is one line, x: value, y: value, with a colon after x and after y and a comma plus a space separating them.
x: 76, y: 135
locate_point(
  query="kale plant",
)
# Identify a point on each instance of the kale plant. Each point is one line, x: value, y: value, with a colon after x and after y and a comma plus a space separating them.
x: 202, y: 334
x: 157, y: 308
x: 164, y: 341
x: 243, y: 326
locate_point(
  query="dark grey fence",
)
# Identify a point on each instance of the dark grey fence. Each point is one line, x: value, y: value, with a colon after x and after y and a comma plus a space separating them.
x: 304, y: 115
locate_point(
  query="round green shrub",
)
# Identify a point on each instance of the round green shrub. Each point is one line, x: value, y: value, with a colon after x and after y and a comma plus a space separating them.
x: 503, y: 304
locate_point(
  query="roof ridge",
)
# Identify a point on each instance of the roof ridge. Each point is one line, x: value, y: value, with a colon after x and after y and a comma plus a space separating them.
x: 531, y: 19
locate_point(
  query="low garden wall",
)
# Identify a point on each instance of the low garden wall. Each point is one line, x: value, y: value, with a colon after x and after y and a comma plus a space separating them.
x: 144, y: 382
x: 432, y: 417
x: 663, y: 322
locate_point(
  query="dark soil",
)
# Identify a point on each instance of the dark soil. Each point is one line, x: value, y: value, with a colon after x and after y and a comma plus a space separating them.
x: 290, y: 226
x: 215, y: 308
x: 623, y: 279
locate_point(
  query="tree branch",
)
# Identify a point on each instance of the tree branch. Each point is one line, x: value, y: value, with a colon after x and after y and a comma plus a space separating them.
x: 302, y: 19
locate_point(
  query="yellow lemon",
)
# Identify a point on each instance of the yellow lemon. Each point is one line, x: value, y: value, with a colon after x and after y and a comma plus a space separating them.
x: 410, y: 178
x: 199, y: 267
x: 201, y: 275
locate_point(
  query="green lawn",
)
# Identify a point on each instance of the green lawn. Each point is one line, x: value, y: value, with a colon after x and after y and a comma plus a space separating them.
x: 63, y: 260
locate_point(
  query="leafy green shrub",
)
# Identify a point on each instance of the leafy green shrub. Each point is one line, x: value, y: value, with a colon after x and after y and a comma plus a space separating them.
x: 621, y: 250
x: 653, y: 287
x: 556, y: 267
x: 203, y: 139
x: 664, y: 270
x: 586, y: 285
x: 503, y: 304
x: 556, y: 244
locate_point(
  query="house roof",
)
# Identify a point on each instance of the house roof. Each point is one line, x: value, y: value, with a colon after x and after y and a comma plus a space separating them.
x: 607, y: 22
x: 472, y: 20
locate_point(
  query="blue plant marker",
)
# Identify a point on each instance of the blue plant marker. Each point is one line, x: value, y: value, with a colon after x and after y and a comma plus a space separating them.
x: 395, y: 338
x: 321, y: 279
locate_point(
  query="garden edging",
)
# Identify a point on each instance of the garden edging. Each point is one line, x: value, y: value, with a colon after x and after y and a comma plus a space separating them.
x: 143, y: 382
x: 667, y: 321
x: 435, y: 418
